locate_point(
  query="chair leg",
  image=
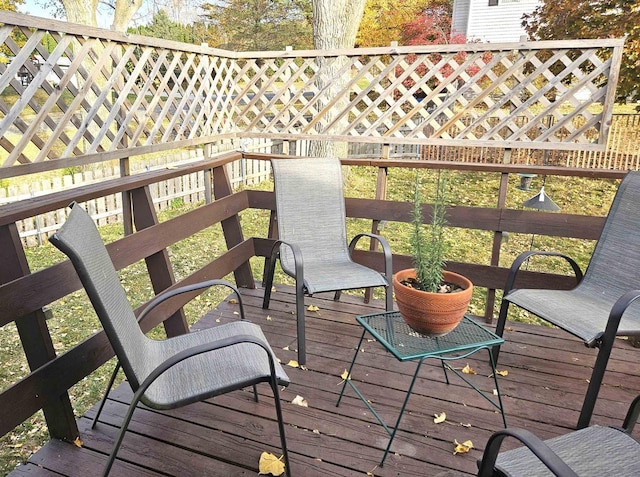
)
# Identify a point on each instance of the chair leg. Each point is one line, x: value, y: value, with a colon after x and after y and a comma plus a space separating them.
x: 300, y: 315
x: 106, y: 393
x: 283, y: 440
x: 500, y: 325
x: 123, y: 429
x: 596, y: 381
x: 268, y: 279
x: 388, y: 292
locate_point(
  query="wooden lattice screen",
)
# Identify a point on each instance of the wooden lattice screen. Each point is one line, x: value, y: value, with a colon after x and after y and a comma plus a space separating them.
x: 71, y: 94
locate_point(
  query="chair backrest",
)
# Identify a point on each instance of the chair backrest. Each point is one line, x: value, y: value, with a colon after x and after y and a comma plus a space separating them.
x: 80, y: 240
x: 310, y: 208
x: 615, y: 262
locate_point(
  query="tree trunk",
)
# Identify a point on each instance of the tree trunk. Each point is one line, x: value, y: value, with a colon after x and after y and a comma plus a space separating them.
x: 81, y: 11
x: 335, y: 25
x: 124, y: 12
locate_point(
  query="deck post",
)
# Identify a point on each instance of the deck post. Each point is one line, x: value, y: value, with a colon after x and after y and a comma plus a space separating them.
x: 35, y: 337
x: 381, y: 194
x: 158, y: 264
x: 497, y: 236
x: 231, y: 227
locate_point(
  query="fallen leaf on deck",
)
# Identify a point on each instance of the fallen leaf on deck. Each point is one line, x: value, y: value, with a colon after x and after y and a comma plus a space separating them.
x: 345, y: 375
x: 269, y: 318
x: 286, y: 348
x: 300, y: 401
x: 270, y: 464
x: 236, y: 313
x: 77, y: 442
x: 468, y: 370
x: 293, y: 363
x: 440, y: 418
x: 504, y: 372
x: 463, y: 448
x: 233, y: 301
x: 313, y: 308
x: 316, y: 431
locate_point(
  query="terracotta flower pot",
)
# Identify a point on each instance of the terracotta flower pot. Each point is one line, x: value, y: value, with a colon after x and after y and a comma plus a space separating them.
x: 429, y: 313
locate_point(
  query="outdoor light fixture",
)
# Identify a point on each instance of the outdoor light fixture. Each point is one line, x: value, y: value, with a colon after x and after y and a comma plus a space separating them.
x: 541, y: 201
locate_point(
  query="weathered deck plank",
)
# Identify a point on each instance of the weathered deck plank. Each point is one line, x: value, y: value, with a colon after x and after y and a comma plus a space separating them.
x: 225, y: 436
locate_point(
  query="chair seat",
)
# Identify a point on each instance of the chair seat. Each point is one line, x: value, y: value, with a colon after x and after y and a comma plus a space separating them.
x: 199, y: 377
x: 331, y: 276
x: 591, y: 307
x: 595, y: 451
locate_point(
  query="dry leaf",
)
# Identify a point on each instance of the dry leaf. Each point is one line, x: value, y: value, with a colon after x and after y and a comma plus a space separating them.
x: 236, y: 313
x: 504, y: 372
x: 293, y: 363
x: 233, y: 301
x: 440, y: 417
x: 300, y: 401
x: 463, y: 448
x: 468, y: 370
x: 345, y: 375
x: 286, y: 348
x: 313, y: 308
x: 77, y: 442
x: 269, y: 318
x: 495, y: 392
x: 217, y: 320
x: 316, y: 431
x: 270, y: 464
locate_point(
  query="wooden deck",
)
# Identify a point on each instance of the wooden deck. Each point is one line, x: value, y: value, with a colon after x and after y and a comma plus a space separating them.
x: 543, y: 392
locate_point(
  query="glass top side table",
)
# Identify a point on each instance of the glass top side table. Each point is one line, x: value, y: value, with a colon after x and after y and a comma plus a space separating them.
x: 405, y: 344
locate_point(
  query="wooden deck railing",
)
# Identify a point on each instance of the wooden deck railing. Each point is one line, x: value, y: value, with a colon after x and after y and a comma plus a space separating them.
x: 24, y: 294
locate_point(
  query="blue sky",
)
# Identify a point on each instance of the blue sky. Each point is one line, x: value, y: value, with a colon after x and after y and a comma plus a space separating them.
x: 32, y: 8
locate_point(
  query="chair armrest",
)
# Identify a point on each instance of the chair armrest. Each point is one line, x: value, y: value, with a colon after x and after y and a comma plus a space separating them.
x: 297, y: 256
x: 541, y: 450
x: 162, y: 297
x: 524, y: 256
x: 386, y: 249
x: 632, y: 416
x: 200, y: 349
x: 617, y: 310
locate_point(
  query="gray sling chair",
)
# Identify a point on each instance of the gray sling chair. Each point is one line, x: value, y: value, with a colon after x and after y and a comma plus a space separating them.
x: 166, y: 374
x: 312, y: 233
x: 594, y: 451
x: 601, y: 306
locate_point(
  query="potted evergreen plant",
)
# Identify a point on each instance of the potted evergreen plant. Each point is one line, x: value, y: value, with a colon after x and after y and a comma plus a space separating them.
x: 431, y: 299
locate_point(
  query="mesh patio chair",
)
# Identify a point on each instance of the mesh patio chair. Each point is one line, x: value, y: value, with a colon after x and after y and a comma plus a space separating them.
x: 166, y: 374
x: 601, y: 306
x: 593, y: 451
x: 312, y: 233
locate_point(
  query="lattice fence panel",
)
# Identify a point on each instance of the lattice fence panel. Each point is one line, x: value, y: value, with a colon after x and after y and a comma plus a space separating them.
x: 68, y: 91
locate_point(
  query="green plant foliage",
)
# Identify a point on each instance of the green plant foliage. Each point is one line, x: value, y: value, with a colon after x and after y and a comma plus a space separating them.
x: 428, y: 246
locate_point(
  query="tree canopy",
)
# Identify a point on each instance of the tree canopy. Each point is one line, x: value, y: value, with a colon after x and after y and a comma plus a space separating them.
x: 260, y: 24
x: 383, y: 20
x: 574, y: 19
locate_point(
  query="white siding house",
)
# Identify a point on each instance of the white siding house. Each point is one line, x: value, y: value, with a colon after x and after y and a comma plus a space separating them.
x: 492, y: 21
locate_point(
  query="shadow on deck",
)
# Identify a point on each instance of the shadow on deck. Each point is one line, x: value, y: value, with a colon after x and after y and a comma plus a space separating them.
x: 543, y: 392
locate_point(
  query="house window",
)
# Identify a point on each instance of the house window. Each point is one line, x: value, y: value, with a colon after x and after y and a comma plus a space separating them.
x: 493, y: 3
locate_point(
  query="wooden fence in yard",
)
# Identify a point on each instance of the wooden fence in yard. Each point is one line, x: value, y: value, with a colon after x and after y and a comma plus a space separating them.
x: 189, y: 188
x: 622, y: 151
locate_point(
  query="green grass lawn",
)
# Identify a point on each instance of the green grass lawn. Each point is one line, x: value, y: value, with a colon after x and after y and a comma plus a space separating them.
x: 74, y: 320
